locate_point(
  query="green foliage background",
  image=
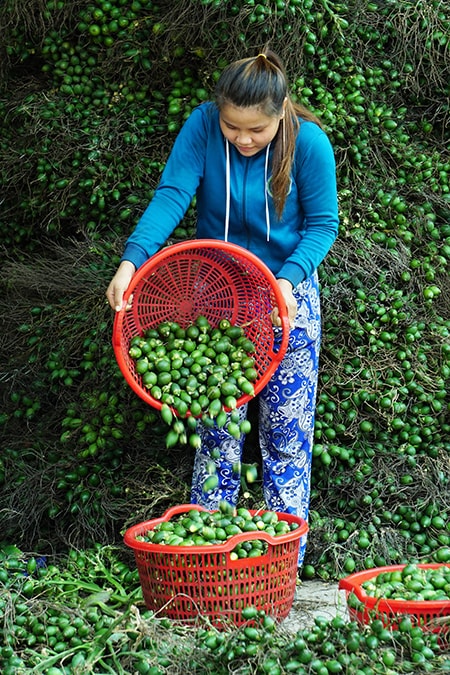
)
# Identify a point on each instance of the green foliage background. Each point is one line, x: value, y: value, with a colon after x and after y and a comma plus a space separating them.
x: 92, y: 95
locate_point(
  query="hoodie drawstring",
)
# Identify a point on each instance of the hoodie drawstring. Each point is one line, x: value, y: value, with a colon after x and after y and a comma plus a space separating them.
x: 266, y: 171
x: 228, y: 191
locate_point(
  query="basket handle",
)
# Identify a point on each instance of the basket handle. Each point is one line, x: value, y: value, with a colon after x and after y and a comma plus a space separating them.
x: 292, y: 535
x: 181, y: 508
x: 346, y: 584
x: 368, y: 601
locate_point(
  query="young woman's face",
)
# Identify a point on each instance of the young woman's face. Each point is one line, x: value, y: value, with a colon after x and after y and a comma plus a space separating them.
x: 248, y: 129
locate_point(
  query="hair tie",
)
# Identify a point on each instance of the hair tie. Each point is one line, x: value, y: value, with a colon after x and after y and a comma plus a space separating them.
x: 263, y: 55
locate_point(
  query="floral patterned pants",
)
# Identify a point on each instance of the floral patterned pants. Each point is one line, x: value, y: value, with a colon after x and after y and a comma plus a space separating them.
x: 286, y: 425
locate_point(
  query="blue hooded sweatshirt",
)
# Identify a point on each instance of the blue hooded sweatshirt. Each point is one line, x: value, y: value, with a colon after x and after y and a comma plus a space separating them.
x: 234, y: 202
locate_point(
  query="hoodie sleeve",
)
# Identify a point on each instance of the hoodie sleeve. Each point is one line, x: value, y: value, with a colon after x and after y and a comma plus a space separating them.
x: 315, y: 175
x: 178, y: 184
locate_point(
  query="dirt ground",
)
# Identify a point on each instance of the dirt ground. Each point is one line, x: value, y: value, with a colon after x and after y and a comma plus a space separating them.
x: 315, y: 598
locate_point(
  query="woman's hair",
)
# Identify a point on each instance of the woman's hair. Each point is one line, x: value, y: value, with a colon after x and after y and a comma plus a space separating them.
x: 261, y: 82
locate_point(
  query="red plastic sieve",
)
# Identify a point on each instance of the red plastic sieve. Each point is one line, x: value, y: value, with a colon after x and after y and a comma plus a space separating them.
x: 206, y: 277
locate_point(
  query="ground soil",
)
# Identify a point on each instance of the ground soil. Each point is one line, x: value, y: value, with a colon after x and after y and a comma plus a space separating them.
x: 315, y: 598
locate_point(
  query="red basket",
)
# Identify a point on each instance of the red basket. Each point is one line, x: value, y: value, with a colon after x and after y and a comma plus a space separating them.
x: 184, y: 582
x: 424, y: 613
x: 203, y: 277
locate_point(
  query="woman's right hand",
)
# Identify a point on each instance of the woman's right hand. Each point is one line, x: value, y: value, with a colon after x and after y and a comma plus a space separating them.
x: 119, y: 284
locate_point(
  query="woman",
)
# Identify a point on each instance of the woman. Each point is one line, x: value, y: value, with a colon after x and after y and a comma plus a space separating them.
x: 263, y: 173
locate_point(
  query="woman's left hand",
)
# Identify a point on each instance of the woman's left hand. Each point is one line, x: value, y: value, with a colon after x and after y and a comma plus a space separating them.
x: 291, y: 303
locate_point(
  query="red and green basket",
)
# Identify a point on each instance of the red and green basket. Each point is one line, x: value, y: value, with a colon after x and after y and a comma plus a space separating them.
x: 206, y: 277
x: 185, y: 582
x: 429, y: 614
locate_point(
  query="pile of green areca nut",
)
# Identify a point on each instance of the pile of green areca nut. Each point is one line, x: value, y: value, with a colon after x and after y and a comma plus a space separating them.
x: 197, y: 372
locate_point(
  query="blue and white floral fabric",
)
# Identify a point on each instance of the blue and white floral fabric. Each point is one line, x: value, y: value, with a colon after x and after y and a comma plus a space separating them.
x: 286, y: 425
